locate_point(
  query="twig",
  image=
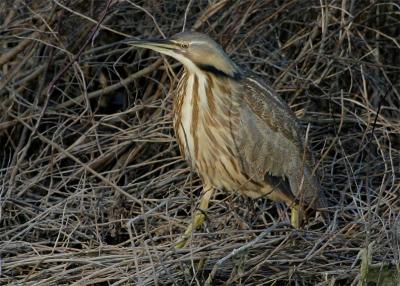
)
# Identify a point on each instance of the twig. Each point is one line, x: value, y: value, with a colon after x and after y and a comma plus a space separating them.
x: 241, y: 250
x: 111, y: 88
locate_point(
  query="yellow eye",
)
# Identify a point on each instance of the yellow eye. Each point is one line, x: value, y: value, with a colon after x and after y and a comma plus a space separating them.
x: 184, y: 45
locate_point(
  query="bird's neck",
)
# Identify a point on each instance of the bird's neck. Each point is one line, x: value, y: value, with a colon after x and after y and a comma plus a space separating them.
x: 215, y: 83
x: 227, y: 72
x: 204, y: 92
x: 203, y: 104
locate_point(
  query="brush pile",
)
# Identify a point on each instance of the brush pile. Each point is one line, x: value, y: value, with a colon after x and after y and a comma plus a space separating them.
x: 94, y: 191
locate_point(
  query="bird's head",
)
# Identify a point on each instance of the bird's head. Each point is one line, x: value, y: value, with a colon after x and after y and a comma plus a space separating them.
x: 196, y: 51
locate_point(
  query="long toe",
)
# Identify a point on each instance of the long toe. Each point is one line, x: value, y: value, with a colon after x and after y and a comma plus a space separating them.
x: 198, y: 221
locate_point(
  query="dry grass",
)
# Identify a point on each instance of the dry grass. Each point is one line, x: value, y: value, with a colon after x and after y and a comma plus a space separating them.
x: 93, y: 190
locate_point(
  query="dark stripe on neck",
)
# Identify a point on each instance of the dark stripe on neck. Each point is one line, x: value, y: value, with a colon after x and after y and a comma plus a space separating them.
x: 218, y: 72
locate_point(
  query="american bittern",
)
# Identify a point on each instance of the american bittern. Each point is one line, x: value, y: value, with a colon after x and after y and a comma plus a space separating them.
x: 235, y: 131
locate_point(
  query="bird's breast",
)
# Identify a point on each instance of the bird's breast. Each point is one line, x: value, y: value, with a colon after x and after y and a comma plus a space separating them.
x: 206, y: 121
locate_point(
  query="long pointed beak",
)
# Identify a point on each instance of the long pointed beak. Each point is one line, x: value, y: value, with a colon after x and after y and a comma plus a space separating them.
x: 162, y: 46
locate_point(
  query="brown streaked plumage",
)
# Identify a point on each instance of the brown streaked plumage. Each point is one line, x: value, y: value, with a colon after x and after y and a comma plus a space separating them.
x: 235, y: 131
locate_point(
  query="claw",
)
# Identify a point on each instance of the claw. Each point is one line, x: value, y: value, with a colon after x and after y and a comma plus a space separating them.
x: 197, y: 223
x: 198, y: 220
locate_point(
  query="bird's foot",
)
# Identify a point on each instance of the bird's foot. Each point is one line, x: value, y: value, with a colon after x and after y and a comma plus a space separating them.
x: 198, y: 221
x: 296, y: 218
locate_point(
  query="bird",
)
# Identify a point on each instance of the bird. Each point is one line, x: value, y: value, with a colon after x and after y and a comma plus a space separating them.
x: 235, y: 131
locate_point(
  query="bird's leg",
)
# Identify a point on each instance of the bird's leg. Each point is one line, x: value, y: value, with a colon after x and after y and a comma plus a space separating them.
x: 297, y: 216
x: 199, y: 217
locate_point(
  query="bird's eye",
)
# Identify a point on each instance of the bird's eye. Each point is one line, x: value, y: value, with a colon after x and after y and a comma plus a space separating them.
x: 184, y: 45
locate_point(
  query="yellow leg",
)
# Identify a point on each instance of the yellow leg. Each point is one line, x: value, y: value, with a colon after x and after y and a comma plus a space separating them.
x: 297, y: 216
x: 198, y: 219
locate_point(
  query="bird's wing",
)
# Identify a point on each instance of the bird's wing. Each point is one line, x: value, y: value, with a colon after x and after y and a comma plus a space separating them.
x: 269, y: 140
x: 269, y: 134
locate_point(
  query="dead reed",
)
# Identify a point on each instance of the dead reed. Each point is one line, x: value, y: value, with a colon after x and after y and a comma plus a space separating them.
x: 93, y: 189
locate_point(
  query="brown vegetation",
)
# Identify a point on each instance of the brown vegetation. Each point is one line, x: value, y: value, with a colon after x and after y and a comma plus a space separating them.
x: 94, y: 191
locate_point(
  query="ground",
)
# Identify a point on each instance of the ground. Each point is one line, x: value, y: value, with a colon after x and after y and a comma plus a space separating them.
x: 94, y: 191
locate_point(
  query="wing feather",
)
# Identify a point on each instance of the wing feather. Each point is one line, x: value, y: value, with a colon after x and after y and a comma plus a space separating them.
x: 268, y: 128
x: 270, y: 142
